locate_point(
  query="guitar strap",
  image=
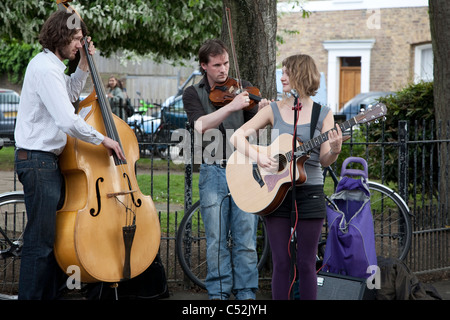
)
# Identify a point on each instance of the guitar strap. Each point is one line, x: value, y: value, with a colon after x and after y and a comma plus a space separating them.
x: 314, y: 117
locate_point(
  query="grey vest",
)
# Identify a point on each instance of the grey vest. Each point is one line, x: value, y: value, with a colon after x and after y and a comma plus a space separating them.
x: 217, y: 149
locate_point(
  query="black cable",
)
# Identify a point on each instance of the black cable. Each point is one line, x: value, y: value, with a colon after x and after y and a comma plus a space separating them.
x: 292, y: 246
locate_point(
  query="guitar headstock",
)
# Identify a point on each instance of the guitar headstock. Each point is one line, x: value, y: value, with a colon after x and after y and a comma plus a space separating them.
x: 372, y: 113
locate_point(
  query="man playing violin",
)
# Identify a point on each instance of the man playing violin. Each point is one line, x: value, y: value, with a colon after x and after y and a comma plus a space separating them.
x: 232, y: 272
x: 45, y: 117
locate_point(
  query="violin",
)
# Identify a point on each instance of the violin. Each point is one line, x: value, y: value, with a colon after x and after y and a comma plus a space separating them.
x: 223, y: 93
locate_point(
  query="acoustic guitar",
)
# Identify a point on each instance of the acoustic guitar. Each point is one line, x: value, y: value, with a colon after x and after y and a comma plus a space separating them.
x: 258, y: 191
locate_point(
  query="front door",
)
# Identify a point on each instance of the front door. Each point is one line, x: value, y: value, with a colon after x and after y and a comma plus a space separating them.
x: 350, y: 79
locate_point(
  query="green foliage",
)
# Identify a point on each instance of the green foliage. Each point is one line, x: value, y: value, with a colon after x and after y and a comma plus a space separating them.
x: 160, y: 30
x: 22, y: 19
x: 171, y: 30
x: 161, y: 183
x: 414, y: 104
x: 354, y: 147
x: 167, y: 29
x: 7, y: 158
x: 14, y: 58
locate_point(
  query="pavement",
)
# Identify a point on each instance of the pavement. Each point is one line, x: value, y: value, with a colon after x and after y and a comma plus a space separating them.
x: 440, y: 281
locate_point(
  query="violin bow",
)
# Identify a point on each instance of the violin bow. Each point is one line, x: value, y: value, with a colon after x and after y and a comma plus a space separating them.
x: 233, y: 49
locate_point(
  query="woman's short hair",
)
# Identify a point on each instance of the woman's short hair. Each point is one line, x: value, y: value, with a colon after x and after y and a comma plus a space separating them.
x: 59, y: 29
x: 303, y: 74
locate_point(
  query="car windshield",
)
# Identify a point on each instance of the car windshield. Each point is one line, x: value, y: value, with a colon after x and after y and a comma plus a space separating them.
x: 369, y: 100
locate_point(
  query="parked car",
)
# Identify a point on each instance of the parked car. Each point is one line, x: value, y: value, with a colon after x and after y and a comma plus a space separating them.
x: 193, y: 78
x: 362, y: 100
x: 9, y: 104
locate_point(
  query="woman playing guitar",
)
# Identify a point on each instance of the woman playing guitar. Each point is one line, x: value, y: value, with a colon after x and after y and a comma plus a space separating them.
x: 300, y: 74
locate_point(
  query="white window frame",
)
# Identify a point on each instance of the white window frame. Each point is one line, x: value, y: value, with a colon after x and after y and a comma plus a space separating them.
x: 346, y: 48
x: 418, y: 50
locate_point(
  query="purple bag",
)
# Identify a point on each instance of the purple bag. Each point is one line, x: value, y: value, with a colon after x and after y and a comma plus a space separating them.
x: 350, y: 246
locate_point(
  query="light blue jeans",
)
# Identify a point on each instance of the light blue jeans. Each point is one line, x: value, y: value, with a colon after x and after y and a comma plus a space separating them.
x: 229, y: 271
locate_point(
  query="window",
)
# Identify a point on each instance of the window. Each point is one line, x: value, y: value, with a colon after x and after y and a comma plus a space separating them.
x: 423, y: 63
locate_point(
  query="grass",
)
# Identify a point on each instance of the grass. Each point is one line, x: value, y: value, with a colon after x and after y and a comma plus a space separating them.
x: 161, y: 187
x: 7, y: 158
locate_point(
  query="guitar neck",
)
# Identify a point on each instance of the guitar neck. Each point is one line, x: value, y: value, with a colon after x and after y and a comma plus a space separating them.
x: 307, y: 146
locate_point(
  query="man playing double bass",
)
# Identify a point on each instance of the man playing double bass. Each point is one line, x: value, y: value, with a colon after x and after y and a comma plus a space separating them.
x: 45, y: 116
x: 236, y: 272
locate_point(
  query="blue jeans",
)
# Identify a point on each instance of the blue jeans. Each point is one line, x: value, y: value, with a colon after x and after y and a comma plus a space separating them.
x: 40, y: 276
x: 232, y: 272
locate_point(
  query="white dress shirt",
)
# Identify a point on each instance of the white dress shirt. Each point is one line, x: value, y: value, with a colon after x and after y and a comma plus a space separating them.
x: 46, y: 113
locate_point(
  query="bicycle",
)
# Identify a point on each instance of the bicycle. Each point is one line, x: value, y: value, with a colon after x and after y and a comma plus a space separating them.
x: 392, y: 226
x: 154, y: 132
x: 191, y: 239
x: 13, y: 220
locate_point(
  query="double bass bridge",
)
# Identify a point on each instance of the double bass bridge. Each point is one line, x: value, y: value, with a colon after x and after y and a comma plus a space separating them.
x: 120, y: 193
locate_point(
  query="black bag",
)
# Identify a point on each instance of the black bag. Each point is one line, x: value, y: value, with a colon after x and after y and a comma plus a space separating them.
x: 151, y: 285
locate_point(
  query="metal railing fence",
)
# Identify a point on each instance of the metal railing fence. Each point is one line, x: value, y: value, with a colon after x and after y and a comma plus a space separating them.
x: 415, y: 164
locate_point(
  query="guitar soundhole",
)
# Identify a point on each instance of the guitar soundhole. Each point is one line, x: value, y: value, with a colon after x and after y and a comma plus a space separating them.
x: 282, y: 161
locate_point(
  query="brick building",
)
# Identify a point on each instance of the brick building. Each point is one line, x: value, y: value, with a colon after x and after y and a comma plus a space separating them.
x: 360, y: 45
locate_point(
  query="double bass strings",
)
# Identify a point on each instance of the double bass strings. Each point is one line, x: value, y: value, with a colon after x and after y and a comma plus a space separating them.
x: 111, y: 131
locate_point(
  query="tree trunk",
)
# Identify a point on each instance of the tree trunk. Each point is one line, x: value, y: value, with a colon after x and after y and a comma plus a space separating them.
x: 439, y: 11
x: 254, y: 28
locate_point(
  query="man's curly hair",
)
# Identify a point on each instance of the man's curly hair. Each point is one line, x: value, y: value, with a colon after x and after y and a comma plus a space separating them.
x: 59, y: 29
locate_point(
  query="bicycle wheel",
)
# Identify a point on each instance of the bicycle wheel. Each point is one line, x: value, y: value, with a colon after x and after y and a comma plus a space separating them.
x: 392, y: 222
x: 13, y: 220
x: 191, y: 245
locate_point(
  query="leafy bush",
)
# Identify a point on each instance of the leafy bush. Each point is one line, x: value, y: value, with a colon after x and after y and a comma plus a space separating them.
x: 14, y: 58
x: 414, y: 104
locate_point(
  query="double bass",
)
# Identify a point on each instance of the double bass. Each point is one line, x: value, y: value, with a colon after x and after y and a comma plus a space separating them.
x: 106, y: 227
